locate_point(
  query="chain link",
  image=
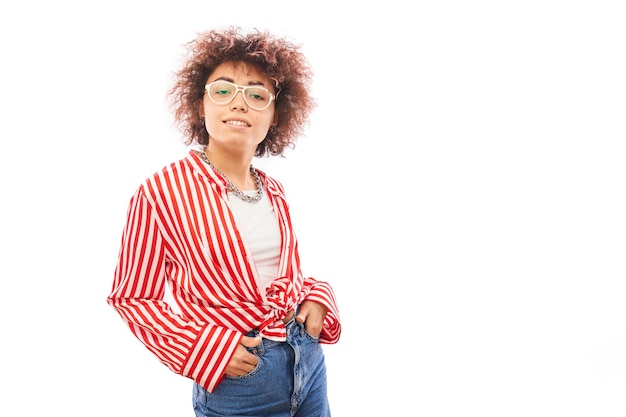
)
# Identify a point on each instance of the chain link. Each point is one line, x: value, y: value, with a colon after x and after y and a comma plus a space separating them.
x: 232, y: 188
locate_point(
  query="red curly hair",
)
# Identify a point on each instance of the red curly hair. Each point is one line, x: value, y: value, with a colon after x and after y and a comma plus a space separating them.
x: 280, y: 60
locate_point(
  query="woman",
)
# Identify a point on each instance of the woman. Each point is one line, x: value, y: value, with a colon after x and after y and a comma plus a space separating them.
x: 216, y: 232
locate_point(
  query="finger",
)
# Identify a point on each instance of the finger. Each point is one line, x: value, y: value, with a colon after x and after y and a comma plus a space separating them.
x: 244, y: 357
x: 302, y: 314
x: 313, y: 328
x: 250, y: 341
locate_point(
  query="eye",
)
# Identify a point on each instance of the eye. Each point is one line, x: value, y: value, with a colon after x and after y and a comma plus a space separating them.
x: 257, y: 94
x: 222, y: 89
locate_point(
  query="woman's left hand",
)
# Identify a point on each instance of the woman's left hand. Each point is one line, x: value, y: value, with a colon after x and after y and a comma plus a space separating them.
x: 312, y: 314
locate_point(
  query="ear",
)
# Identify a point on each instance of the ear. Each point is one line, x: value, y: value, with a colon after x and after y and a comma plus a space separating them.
x: 201, y: 108
x: 275, y: 119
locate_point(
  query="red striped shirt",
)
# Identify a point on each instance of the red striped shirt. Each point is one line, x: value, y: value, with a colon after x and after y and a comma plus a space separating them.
x: 181, y: 233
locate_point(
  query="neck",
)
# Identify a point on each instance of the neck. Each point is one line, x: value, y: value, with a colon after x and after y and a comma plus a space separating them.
x: 236, y: 169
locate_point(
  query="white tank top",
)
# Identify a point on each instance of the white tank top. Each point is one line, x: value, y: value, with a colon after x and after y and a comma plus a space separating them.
x: 259, y: 227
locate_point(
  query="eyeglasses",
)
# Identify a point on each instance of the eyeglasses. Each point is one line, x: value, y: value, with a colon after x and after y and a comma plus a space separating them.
x: 223, y: 92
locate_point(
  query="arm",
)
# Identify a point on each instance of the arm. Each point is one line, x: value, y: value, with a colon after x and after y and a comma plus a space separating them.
x: 319, y: 310
x: 199, y: 351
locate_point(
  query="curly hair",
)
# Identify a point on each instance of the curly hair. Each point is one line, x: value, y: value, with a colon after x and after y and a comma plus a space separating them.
x: 280, y: 60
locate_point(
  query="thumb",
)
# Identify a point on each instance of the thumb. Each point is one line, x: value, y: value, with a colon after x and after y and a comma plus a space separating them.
x: 300, y: 318
x: 248, y: 341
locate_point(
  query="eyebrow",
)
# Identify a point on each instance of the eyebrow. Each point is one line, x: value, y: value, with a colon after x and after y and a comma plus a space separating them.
x: 233, y: 81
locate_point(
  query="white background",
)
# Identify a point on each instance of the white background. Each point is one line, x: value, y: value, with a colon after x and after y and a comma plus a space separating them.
x: 461, y: 185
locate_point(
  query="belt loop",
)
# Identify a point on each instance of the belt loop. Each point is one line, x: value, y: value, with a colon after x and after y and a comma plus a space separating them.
x: 260, y: 348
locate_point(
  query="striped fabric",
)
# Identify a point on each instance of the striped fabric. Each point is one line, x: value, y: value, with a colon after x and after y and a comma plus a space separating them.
x: 181, y: 234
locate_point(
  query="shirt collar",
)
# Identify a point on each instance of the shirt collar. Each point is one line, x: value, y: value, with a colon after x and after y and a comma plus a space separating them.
x: 271, y: 185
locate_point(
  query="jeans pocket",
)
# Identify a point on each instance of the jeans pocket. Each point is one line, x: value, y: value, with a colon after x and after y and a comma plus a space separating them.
x: 308, y: 336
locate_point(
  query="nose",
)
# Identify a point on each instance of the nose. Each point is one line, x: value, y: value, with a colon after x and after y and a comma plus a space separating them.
x: 239, y: 102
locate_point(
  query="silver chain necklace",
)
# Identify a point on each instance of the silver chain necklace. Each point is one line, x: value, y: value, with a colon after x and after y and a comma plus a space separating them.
x: 232, y: 188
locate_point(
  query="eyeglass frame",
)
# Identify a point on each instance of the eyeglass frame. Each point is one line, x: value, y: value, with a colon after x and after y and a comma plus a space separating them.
x: 239, y: 88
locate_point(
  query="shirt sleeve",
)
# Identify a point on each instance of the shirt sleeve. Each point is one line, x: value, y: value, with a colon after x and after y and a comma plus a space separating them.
x: 322, y: 292
x: 199, y: 351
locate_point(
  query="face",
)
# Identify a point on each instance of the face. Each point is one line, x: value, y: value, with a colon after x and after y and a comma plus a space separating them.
x: 237, y: 127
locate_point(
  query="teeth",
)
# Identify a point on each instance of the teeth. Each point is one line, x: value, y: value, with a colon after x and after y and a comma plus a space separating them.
x: 236, y: 122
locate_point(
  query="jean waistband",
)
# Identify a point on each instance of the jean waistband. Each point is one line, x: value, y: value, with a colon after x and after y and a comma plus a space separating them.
x: 290, y: 327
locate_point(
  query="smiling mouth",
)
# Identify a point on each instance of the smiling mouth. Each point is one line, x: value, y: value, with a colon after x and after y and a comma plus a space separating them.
x: 237, y: 123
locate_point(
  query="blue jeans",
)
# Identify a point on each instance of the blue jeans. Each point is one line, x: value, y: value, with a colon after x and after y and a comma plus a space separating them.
x: 288, y: 381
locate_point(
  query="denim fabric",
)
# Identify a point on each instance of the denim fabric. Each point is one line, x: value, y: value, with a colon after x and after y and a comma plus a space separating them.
x: 289, y: 381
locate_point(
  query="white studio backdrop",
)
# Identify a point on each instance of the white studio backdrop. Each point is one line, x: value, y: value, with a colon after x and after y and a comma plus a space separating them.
x: 461, y: 185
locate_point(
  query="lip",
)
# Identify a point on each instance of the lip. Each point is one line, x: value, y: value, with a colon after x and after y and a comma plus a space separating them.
x: 237, y: 123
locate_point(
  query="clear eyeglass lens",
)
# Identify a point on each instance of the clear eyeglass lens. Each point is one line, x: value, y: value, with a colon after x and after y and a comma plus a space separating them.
x: 223, y: 92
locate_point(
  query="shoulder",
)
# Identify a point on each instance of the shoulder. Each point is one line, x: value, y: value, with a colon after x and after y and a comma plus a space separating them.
x: 170, y: 176
x: 272, y: 184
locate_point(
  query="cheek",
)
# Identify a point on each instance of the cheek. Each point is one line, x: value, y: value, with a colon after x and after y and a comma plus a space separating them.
x: 270, y: 118
x: 264, y: 126
x: 211, y: 126
x: 204, y: 106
